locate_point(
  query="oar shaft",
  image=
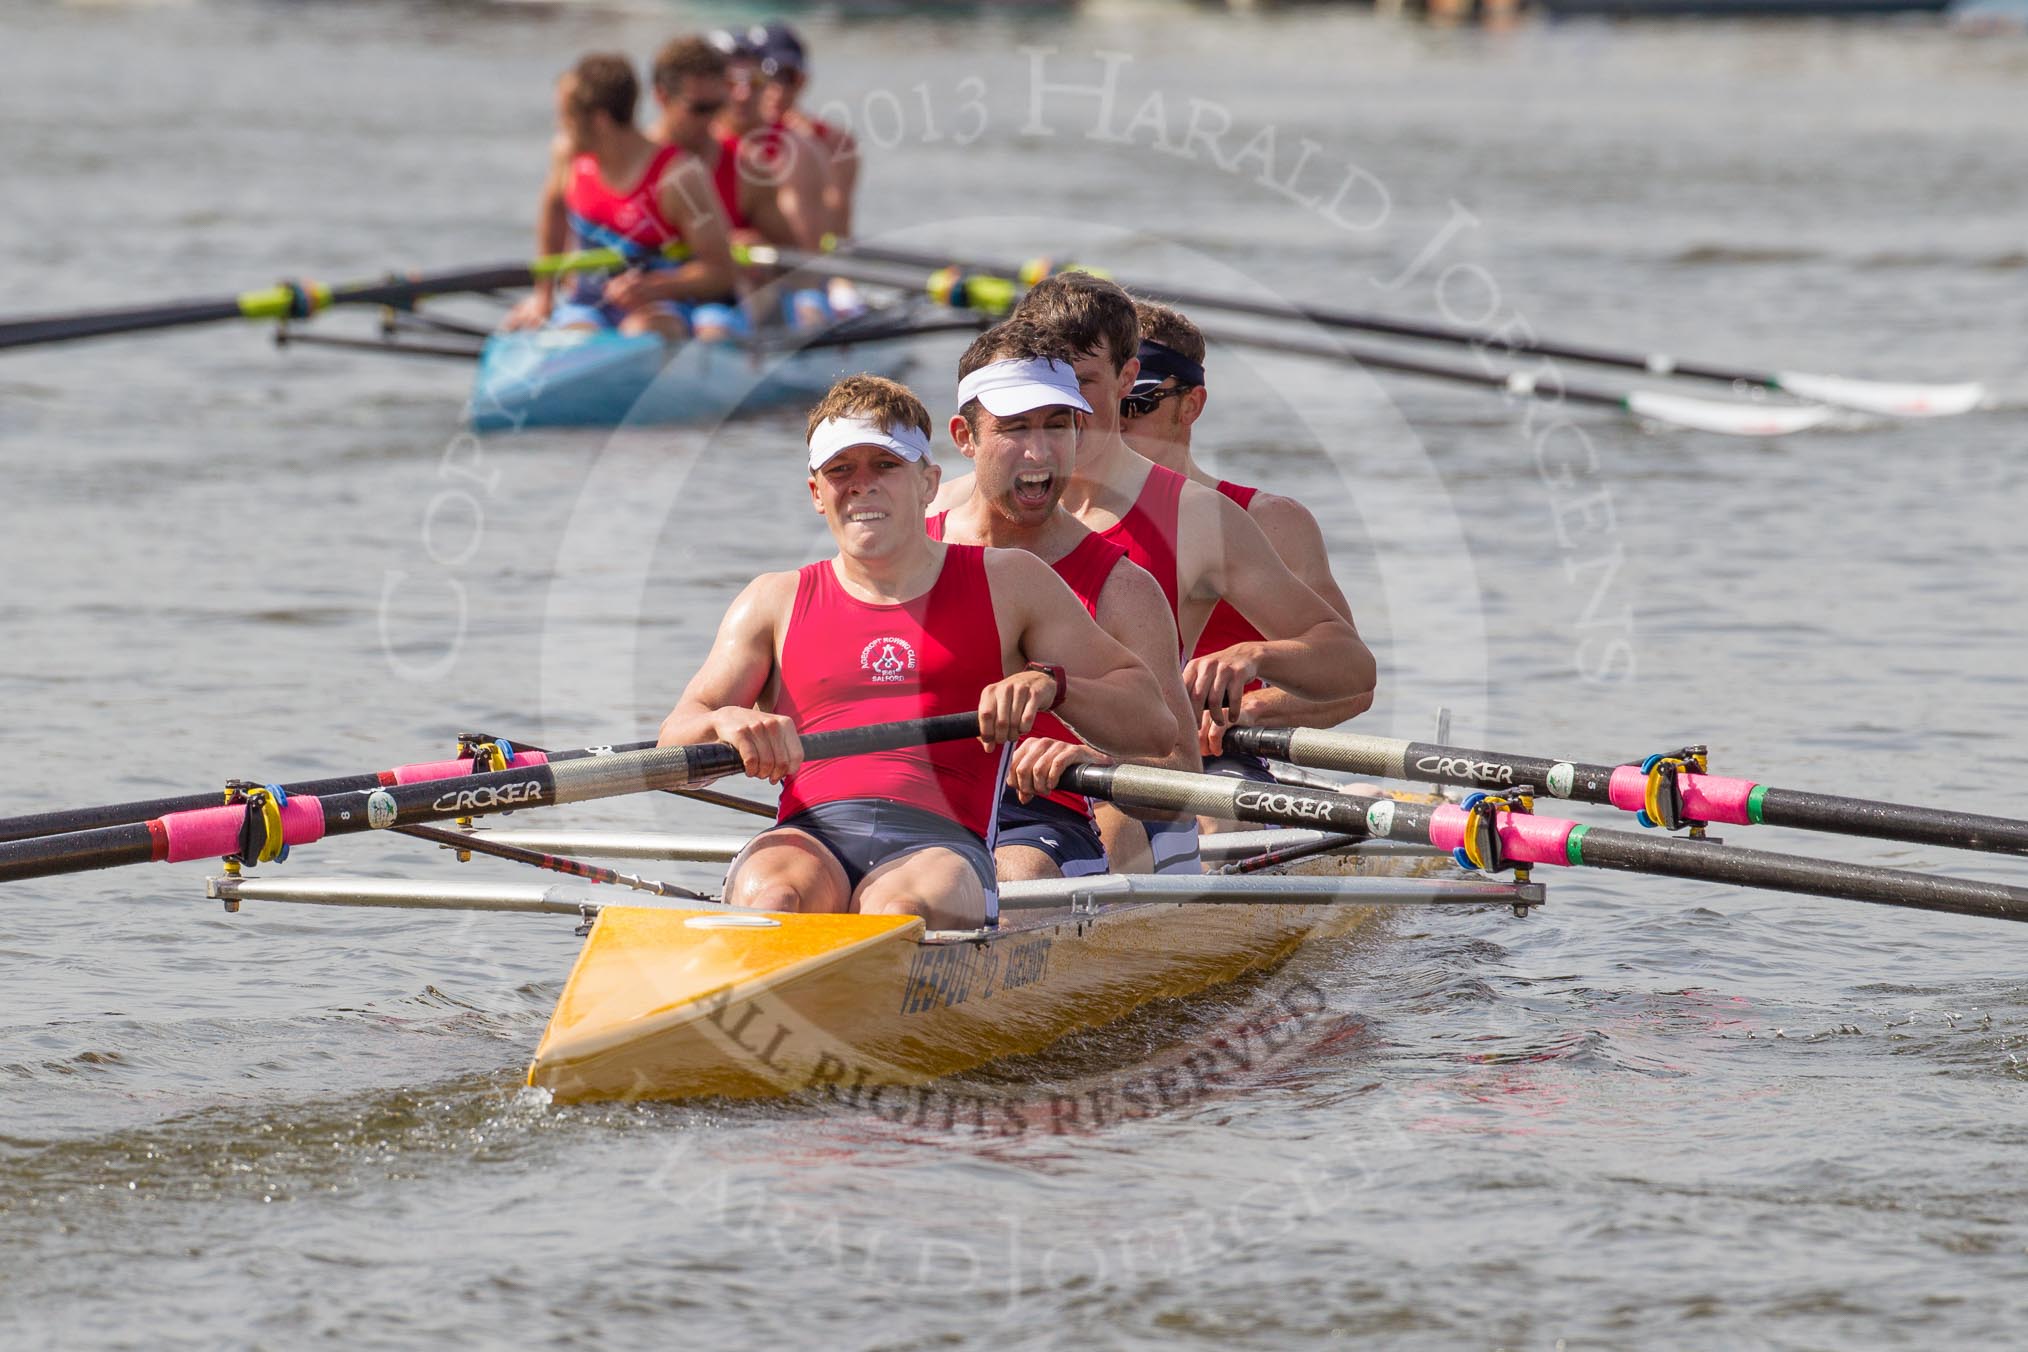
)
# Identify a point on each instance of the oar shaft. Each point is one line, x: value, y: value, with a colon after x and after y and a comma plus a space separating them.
x: 1313, y: 345
x: 1005, y: 290
x: 1530, y: 839
x: 1677, y: 857
x: 214, y: 832
x: 1892, y: 821
x: 143, y: 809
x: 711, y: 796
x: 128, y: 319
x: 286, y: 301
x: 1505, y: 343
x: 299, y: 300
x: 1708, y: 798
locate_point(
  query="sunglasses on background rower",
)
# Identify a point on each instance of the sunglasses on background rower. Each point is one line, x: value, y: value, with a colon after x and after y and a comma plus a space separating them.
x: 1143, y: 402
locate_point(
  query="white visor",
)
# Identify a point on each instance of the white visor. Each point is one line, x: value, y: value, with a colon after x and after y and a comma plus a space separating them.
x: 838, y: 434
x: 1014, y: 386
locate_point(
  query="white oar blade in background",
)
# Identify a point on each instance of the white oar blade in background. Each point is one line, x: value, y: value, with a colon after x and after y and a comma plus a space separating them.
x: 1884, y: 397
x: 1738, y: 420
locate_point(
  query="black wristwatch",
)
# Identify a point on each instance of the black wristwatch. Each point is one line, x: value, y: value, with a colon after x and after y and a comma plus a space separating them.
x: 1054, y: 673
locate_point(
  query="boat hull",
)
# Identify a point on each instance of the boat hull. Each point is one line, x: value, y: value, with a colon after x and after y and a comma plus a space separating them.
x: 596, y: 378
x: 669, y: 1004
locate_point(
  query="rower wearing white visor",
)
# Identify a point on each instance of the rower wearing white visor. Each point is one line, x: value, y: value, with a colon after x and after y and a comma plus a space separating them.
x: 897, y: 626
x: 1018, y: 419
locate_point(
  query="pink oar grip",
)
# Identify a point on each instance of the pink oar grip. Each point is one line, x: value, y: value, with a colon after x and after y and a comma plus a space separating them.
x: 1524, y: 837
x: 213, y: 832
x: 1706, y: 798
x: 455, y: 769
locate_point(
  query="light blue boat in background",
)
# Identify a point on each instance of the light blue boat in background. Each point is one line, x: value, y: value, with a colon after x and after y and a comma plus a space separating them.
x: 598, y: 378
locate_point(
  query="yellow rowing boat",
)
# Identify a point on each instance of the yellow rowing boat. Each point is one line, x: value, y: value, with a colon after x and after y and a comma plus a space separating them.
x: 677, y: 1003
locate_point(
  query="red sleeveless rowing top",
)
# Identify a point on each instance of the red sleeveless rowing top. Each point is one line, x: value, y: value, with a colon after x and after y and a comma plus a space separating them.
x: 1084, y: 570
x: 847, y: 662
x: 630, y: 221
x: 725, y: 178
x: 1226, y: 626
x: 1148, y: 533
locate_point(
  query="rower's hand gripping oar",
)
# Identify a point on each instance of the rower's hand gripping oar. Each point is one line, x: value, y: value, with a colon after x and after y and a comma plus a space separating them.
x: 1889, y: 398
x: 1492, y: 832
x: 270, y: 822
x: 1672, y: 790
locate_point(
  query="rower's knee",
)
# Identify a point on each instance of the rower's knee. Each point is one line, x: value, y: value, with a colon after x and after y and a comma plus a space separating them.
x: 765, y: 894
x: 669, y: 328
x: 775, y: 899
x: 1022, y: 863
x: 899, y: 904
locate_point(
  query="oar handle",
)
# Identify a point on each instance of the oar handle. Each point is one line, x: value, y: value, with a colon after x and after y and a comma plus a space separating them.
x: 888, y: 736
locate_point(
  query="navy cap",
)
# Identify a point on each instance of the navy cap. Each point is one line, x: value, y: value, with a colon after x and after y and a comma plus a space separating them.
x: 777, y: 46
x: 1160, y: 362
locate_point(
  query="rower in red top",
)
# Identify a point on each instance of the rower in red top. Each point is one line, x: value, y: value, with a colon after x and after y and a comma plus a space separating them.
x: 1200, y: 545
x: 792, y: 166
x: 692, y: 87
x: 610, y: 187
x: 898, y: 626
x: 1017, y: 421
x: 786, y: 72
x: 1157, y: 418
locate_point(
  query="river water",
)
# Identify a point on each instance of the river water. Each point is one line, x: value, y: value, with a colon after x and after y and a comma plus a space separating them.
x: 1654, y: 1114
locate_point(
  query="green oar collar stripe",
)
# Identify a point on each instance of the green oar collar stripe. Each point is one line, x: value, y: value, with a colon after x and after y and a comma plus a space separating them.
x: 279, y: 302
x: 1753, y: 803
x: 1573, y: 847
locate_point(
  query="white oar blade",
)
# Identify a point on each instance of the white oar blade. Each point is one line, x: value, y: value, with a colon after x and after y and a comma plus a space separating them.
x: 1883, y: 397
x: 1737, y: 420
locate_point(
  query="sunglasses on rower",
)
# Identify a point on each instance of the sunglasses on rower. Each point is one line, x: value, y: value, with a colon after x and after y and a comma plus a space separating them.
x: 1141, y: 403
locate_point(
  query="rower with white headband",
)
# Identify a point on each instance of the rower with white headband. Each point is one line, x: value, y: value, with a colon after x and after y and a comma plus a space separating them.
x: 1199, y: 546
x: 897, y: 626
x: 1019, y: 413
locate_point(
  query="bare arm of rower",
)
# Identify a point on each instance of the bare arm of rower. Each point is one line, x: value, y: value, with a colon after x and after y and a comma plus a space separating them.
x: 691, y: 204
x: 1310, y: 649
x: 552, y: 234
x: 1133, y: 610
x: 717, y: 704
x: 844, y: 183
x: 1299, y: 542
x: 1113, y: 700
x: 784, y: 196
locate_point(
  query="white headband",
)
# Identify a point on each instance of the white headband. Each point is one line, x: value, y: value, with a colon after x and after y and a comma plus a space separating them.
x: 1015, y: 386
x: 837, y: 434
